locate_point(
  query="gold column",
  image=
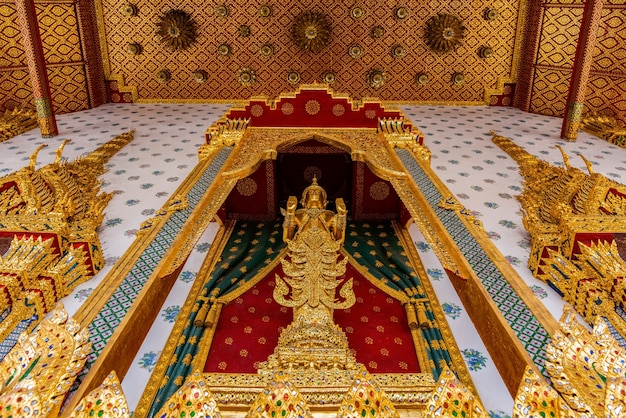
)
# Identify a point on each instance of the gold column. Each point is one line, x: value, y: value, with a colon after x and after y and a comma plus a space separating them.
x: 582, y: 68
x: 35, y: 59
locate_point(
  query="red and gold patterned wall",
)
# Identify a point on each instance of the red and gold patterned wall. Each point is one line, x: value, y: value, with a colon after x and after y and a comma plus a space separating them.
x: 482, y: 76
x: 61, y: 41
x: 558, y: 37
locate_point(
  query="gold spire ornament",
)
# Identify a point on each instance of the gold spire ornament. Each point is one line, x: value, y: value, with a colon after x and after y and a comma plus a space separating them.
x: 193, y: 399
x: 366, y: 398
x: 314, y: 236
x: 107, y: 400
x: 39, y: 370
x: 279, y: 399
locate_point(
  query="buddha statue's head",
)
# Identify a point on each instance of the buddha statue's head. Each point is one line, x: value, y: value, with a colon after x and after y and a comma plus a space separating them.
x: 314, y: 196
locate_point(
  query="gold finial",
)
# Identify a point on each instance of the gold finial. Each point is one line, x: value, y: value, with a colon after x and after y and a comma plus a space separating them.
x: 588, y: 163
x: 33, y: 157
x: 59, y: 151
x: 565, y: 157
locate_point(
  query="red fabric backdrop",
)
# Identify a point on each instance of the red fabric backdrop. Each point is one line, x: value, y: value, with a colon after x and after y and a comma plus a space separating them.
x: 376, y: 327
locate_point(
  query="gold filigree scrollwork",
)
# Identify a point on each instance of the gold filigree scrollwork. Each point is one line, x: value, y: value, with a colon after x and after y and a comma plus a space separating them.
x: 606, y: 127
x: 176, y: 203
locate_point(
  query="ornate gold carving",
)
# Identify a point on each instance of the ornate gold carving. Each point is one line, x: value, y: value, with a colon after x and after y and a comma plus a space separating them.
x: 106, y: 400
x: 311, y: 31
x: 244, y: 31
x: 422, y: 78
x: 535, y: 397
x: 265, y: 10
x: 267, y: 50
x: 491, y: 13
x: 130, y: 10
x: 458, y: 78
x: 485, y: 52
x: 40, y: 369
x: 398, y: 51
x: 376, y: 78
x: 329, y: 77
x: 177, y: 30
x: 314, y: 236
x: 561, y: 207
x: 222, y: 10
x: 200, y: 76
x: 401, y: 13
x: 444, y: 32
x: 52, y: 213
x: 15, y: 122
x: 246, y: 76
x: 176, y: 203
x: 355, y: 51
x: 586, y: 368
x: 451, y: 203
x: 133, y: 48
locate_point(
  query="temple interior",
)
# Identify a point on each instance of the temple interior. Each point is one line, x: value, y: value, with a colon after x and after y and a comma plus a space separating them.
x: 313, y: 200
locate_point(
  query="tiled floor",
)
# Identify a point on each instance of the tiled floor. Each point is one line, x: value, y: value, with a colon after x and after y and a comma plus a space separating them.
x: 485, y: 179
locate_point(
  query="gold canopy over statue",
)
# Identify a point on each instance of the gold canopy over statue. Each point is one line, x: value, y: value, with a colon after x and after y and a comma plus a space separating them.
x: 314, y: 236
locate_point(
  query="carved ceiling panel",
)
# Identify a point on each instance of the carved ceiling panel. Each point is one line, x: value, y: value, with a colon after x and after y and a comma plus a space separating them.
x: 374, y: 49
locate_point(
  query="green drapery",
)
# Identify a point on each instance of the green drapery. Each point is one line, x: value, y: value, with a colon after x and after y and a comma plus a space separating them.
x: 250, y: 248
x: 375, y: 246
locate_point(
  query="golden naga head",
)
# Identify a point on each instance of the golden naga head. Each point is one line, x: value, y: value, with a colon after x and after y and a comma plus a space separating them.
x: 314, y: 196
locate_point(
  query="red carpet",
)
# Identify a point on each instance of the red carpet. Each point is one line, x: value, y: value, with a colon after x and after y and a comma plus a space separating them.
x: 376, y: 327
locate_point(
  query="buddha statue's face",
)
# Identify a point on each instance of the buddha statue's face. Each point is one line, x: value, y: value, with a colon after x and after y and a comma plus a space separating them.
x: 314, y: 199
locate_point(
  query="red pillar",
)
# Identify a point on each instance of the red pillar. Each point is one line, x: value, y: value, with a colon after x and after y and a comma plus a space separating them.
x: 36, y: 67
x: 582, y: 68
